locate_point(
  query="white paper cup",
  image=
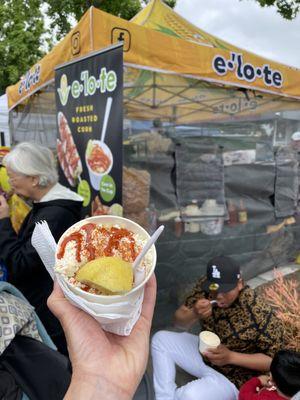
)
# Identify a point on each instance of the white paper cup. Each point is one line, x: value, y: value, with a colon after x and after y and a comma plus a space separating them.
x: 208, y: 340
x: 95, y: 177
x: 123, y: 308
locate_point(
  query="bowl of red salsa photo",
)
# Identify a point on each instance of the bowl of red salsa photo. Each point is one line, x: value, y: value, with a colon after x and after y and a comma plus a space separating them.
x: 99, y: 161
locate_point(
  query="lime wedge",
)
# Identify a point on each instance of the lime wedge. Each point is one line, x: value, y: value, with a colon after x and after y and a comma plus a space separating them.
x: 116, y: 209
x: 109, y: 275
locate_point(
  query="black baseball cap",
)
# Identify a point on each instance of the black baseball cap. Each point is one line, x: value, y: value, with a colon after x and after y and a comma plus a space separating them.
x: 222, y: 274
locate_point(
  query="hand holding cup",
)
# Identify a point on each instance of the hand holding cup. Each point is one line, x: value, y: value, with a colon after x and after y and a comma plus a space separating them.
x: 219, y: 355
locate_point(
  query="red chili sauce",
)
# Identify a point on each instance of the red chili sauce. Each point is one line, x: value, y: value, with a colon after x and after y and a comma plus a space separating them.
x: 115, y: 235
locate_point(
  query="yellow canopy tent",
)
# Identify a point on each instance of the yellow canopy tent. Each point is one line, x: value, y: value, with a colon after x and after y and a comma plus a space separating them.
x: 170, y: 68
x: 185, y: 100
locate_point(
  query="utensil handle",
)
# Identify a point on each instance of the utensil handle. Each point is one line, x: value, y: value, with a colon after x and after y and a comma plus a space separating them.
x: 106, y: 115
x: 147, y: 246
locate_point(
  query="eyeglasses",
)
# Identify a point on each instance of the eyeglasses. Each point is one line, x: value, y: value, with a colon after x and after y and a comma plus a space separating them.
x: 16, y: 178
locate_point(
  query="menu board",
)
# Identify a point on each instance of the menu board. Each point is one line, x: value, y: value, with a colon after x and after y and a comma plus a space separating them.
x: 89, y: 100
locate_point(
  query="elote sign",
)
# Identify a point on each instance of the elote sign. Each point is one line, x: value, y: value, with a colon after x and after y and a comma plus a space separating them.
x: 87, y: 86
x: 246, y: 71
x: 89, y: 124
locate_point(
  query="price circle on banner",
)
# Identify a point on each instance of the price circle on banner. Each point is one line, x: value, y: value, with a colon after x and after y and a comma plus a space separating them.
x: 107, y: 188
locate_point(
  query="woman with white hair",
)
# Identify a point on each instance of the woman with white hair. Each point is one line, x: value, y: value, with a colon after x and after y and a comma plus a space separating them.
x: 32, y: 173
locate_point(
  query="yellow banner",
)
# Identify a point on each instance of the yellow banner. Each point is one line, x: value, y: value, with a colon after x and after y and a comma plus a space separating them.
x: 180, y: 100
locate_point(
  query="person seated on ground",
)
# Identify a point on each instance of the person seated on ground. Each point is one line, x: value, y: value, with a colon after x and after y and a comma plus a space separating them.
x: 250, y: 334
x: 32, y: 173
x: 284, y: 382
x: 104, y: 365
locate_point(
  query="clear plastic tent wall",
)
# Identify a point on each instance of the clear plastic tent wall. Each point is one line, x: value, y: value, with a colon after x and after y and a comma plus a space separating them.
x: 224, y: 177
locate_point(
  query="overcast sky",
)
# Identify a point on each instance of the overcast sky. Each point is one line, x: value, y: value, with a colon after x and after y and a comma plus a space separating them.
x: 244, y: 23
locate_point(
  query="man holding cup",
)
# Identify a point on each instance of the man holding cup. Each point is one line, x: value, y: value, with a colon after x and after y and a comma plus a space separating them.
x: 248, y: 330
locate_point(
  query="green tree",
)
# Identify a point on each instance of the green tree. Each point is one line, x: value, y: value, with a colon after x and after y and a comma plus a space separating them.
x: 60, y: 11
x: 21, y: 29
x: 288, y: 9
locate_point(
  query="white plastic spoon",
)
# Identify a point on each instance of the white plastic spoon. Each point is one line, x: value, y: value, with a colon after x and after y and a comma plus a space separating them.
x: 106, y: 115
x: 147, y: 246
x: 139, y: 273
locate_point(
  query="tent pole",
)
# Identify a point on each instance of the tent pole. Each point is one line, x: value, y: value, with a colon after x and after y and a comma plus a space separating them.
x: 154, y: 91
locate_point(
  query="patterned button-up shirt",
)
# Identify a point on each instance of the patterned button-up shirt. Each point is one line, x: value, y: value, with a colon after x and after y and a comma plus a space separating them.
x: 248, y: 326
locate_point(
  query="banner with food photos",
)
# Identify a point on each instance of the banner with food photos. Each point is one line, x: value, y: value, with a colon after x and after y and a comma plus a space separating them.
x: 89, y: 104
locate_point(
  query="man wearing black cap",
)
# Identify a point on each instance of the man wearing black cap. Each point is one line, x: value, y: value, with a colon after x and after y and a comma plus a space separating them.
x: 250, y: 334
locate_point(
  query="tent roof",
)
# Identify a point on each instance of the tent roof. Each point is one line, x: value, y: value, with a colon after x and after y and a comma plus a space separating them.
x: 185, y: 50
x: 179, y: 99
x: 160, y: 17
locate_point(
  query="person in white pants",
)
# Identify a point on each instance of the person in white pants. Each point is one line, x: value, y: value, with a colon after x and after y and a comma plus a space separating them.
x: 249, y: 332
x: 170, y: 348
